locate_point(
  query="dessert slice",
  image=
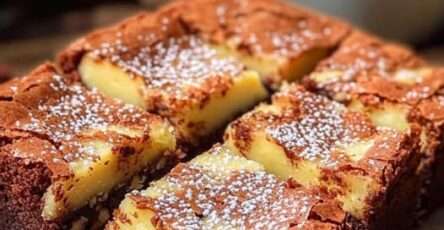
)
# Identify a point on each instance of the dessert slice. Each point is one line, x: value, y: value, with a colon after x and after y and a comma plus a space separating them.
x: 222, y: 190
x: 65, y: 147
x: 393, y: 86
x: 281, y: 41
x: 151, y: 62
x: 319, y: 143
x: 366, y: 64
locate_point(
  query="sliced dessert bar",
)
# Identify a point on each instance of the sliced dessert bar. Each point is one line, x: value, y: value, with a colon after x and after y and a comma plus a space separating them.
x: 151, y: 62
x: 64, y: 147
x: 280, y: 41
x: 222, y: 190
x: 366, y: 64
x: 319, y: 143
x: 394, y: 87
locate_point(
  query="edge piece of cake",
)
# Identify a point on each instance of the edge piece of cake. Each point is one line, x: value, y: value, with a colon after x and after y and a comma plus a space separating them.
x: 222, y: 190
x: 64, y: 148
x: 396, y: 89
x: 151, y: 61
x: 281, y: 41
x: 319, y: 143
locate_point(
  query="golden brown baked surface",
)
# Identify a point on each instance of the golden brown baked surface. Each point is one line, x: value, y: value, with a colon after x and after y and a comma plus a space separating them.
x: 74, y: 144
x: 356, y: 146
x: 46, y: 104
x: 259, y: 26
x: 153, y: 62
x: 220, y: 189
x: 280, y: 41
x: 364, y: 64
x: 319, y: 143
x: 378, y: 77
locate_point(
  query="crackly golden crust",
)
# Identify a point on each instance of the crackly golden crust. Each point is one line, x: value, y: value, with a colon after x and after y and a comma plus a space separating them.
x: 177, y: 67
x: 178, y: 71
x: 218, y: 197
x: 142, y: 30
x: 303, y: 112
x: 47, y: 104
x: 376, y: 55
x: 264, y: 26
x: 44, y: 119
x: 375, y: 72
x: 288, y: 40
x: 309, y: 128
x: 366, y: 65
x: 251, y: 25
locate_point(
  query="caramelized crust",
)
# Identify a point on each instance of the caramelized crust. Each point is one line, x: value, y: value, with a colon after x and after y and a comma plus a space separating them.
x: 269, y: 29
x: 320, y: 143
x: 54, y: 136
x: 153, y: 61
x: 264, y: 26
x: 359, y: 161
x: 280, y: 41
x: 142, y: 30
x: 379, y: 78
x: 176, y: 67
x: 202, y: 194
x: 366, y: 65
x: 45, y: 104
x: 309, y: 126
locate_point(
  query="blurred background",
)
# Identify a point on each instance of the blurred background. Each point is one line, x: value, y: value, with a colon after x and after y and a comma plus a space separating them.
x: 33, y: 31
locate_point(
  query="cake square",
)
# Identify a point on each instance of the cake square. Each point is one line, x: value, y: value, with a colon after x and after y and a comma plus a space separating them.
x: 320, y: 143
x: 220, y: 189
x: 396, y: 88
x: 151, y: 61
x: 64, y: 147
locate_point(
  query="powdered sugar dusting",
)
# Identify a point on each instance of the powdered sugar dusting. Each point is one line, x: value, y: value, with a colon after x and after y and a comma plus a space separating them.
x: 363, y: 58
x: 284, y: 44
x: 320, y: 128
x: 72, y: 111
x: 238, y: 200
x: 171, y: 64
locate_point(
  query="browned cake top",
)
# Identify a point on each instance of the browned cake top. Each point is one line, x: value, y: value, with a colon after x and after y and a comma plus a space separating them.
x: 265, y: 26
x: 209, y: 199
x: 257, y: 27
x: 368, y: 65
x: 45, y: 104
x: 361, y: 53
x: 172, y: 64
x: 121, y: 41
x: 314, y: 128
